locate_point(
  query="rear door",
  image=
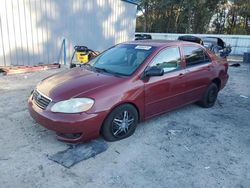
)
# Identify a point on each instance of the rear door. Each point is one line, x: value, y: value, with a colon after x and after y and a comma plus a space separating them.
x: 163, y: 93
x: 198, y: 72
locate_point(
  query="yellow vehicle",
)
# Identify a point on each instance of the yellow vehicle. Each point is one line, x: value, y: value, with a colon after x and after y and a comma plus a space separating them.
x: 82, y: 55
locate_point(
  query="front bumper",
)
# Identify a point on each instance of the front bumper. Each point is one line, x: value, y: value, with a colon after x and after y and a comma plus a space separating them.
x: 87, y: 125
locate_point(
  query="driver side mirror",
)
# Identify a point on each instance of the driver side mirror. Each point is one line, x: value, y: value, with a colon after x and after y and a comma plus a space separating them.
x: 152, y: 71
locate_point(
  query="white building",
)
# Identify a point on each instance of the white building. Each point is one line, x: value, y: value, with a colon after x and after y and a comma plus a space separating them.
x: 32, y: 31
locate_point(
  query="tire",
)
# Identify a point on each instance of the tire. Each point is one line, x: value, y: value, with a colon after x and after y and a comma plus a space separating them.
x: 210, y: 96
x: 120, y: 123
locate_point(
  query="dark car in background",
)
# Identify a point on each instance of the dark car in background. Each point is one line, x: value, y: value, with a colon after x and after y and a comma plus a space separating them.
x: 191, y: 38
x: 129, y: 83
x: 142, y: 37
x: 215, y: 44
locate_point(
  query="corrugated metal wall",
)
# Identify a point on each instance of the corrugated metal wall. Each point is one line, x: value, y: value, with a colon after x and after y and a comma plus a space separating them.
x: 239, y: 43
x: 32, y: 31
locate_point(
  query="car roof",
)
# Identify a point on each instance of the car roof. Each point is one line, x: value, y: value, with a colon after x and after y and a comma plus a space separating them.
x: 159, y: 43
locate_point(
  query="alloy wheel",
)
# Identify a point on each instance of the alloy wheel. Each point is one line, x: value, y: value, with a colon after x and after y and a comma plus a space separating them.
x: 122, y: 124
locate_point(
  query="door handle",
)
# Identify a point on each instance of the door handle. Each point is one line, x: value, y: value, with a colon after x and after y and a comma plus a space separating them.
x: 208, y: 68
x: 181, y: 75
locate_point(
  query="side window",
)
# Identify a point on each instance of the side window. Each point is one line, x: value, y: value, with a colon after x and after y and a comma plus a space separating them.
x: 168, y: 59
x: 195, y: 56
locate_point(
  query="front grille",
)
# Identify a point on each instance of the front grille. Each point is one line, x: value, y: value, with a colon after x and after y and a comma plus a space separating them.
x: 41, y: 100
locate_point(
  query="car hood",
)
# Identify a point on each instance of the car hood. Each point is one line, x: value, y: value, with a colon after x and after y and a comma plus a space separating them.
x: 76, y: 82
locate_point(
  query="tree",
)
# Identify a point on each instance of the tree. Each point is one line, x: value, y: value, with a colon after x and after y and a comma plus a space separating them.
x: 220, y: 18
x: 194, y: 16
x: 239, y: 18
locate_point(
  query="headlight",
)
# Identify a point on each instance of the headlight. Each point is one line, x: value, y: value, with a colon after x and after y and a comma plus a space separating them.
x: 74, y: 105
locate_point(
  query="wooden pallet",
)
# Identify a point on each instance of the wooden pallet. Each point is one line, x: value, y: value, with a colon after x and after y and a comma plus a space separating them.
x: 25, y: 69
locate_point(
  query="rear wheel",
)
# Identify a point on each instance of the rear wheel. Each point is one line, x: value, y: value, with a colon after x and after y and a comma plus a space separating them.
x: 210, y: 96
x: 120, y: 123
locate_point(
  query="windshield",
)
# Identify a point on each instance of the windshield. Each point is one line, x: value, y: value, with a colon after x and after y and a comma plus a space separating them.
x: 122, y: 59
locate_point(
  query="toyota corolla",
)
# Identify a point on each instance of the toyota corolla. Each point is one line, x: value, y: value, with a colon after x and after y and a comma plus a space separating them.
x: 127, y: 84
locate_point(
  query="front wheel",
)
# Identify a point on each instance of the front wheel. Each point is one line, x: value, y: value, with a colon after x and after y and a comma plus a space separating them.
x: 120, y: 123
x: 210, y: 96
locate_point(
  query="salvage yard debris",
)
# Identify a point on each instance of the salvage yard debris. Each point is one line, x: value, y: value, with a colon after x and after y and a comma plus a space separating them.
x: 24, y: 69
x: 235, y: 65
x: 173, y: 132
x: 243, y: 96
x: 79, y: 152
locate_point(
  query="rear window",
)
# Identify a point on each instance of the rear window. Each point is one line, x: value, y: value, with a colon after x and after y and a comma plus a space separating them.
x: 195, y: 55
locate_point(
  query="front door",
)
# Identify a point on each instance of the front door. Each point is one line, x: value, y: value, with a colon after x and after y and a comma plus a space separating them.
x: 163, y: 93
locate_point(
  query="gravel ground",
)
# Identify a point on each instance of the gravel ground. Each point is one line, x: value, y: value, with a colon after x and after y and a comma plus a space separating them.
x: 188, y: 147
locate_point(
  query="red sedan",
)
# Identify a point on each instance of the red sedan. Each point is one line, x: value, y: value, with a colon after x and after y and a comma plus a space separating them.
x: 124, y: 85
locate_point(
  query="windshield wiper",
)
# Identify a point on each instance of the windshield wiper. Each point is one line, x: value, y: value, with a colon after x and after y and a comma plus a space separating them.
x: 98, y: 69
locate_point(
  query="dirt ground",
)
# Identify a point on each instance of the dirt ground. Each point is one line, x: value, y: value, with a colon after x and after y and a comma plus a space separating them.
x: 188, y: 147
